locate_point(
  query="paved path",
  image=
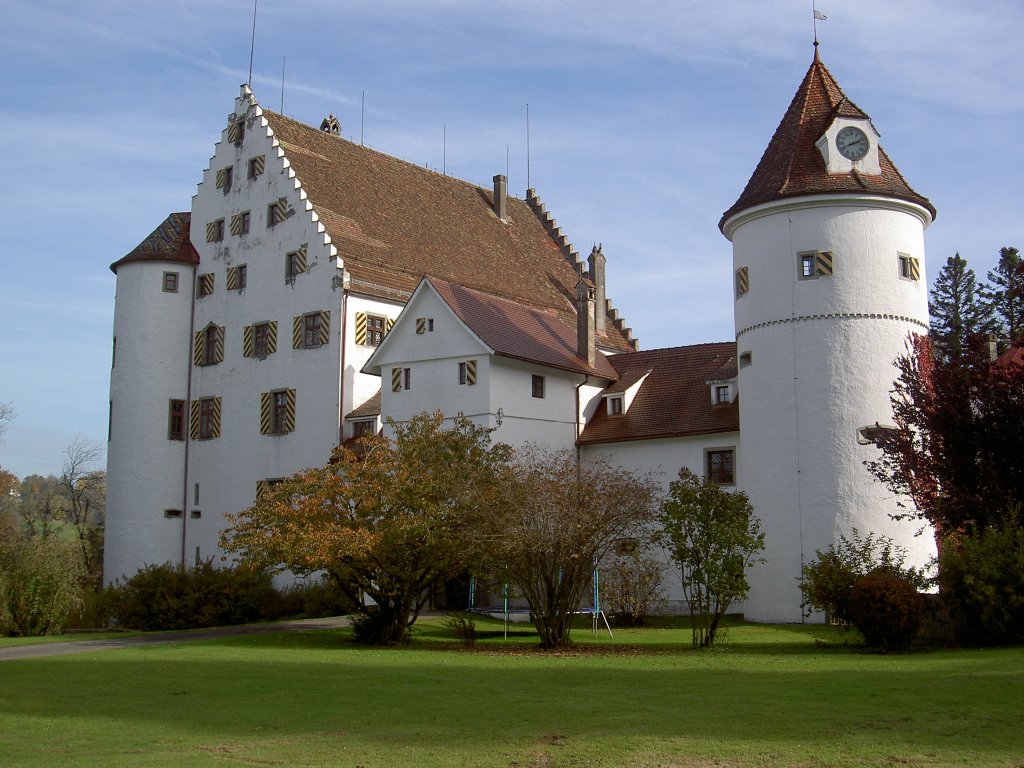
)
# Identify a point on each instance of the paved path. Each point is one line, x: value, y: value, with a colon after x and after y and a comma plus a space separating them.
x: 157, y: 638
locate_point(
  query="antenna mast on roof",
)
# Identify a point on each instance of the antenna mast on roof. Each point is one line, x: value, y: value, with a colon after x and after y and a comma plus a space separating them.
x: 252, y: 43
x: 444, y: 148
x: 528, y: 145
x: 362, y: 118
x: 283, y: 60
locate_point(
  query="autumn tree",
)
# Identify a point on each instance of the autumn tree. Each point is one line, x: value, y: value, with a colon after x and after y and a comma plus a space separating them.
x: 956, y: 309
x: 712, y: 536
x: 556, y: 519
x: 388, y: 525
x: 1003, y: 295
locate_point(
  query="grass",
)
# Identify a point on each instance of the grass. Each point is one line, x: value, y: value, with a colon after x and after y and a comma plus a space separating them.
x: 773, y: 695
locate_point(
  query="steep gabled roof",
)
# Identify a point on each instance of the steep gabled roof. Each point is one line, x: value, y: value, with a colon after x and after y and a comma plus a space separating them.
x: 370, y: 407
x: 521, y: 332
x: 168, y: 242
x: 675, y: 399
x: 792, y: 166
x: 394, y: 222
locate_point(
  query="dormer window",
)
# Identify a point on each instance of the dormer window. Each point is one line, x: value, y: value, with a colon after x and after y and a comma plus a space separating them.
x: 722, y: 394
x: 616, y: 405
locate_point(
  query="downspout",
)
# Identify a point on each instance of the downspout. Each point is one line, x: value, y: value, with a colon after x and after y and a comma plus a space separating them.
x: 579, y: 425
x: 341, y: 388
x: 186, y: 417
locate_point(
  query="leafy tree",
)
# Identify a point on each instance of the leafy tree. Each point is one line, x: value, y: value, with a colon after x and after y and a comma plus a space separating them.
x: 631, y: 583
x: 713, y: 536
x: 956, y: 309
x: 388, y: 524
x: 956, y: 446
x: 557, y: 518
x: 1003, y: 295
x: 84, y: 493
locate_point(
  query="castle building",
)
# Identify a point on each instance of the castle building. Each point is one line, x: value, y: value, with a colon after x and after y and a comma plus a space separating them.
x: 317, y: 285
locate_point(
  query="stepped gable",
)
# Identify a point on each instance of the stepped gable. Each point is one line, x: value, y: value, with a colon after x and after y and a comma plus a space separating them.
x: 514, y: 330
x: 674, y: 400
x: 394, y: 222
x: 168, y: 242
x: 792, y: 166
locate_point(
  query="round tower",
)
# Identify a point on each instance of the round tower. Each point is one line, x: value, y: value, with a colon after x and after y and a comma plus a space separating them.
x: 146, y: 495
x: 828, y: 260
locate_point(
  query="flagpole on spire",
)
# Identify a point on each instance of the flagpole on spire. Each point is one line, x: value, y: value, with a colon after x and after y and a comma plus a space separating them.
x: 816, y: 16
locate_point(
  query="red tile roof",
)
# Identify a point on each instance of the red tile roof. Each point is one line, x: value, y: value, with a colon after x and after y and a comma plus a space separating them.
x: 792, y: 166
x: 168, y: 242
x: 394, y: 222
x: 1013, y: 356
x: 518, y: 331
x: 675, y: 399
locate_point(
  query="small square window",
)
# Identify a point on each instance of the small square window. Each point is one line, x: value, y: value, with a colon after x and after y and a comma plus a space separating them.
x: 170, y: 282
x: 196, y: 514
x: 206, y: 283
x: 746, y: 358
x: 720, y: 467
x: 275, y: 213
x: 215, y: 231
x: 256, y: 166
x: 538, y: 386
x: 615, y: 405
x: 295, y: 265
x: 910, y: 268
x: 363, y: 428
x: 815, y: 264
x: 224, y: 179
x: 722, y: 394
x: 376, y: 327
x: 172, y: 513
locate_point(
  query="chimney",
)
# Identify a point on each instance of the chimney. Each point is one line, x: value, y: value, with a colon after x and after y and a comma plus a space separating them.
x: 331, y: 125
x: 501, y: 197
x: 993, y: 348
x: 597, y: 262
x: 585, y: 347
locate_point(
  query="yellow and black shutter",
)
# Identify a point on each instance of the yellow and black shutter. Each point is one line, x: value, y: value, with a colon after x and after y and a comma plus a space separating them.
x: 471, y: 371
x: 297, y: 322
x: 325, y: 326
x: 421, y: 325
x: 742, y: 281
x: 823, y: 262
x: 247, y: 341
x: 396, y: 379
x: 361, y: 328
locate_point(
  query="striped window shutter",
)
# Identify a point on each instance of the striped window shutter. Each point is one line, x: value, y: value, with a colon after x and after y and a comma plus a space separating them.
x: 236, y: 131
x: 232, y: 282
x: 206, y: 284
x: 396, y: 379
x: 421, y: 325
x: 194, y: 426
x: 361, y: 328
x: 300, y: 259
x: 289, y: 414
x: 236, y: 224
x: 218, y: 352
x: 824, y: 263
x: 388, y: 325
x: 261, y: 488
x: 297, y: 332
x: 266, y: 404
x: 223, y: 178
x: 325, y: 326
x: 281, y: 209
x: 272, y: 337
x: 215, y: 418
x: 258, y: 164
x: 197, y: 350
x: 915, y: 269
x: 471, y: 371
x: 211, y: 231
x: 742, y: 281
x: 247, y: 334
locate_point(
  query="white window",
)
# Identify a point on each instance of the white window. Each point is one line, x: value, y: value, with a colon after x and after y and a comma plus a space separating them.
x: 616, y: 405
x: 723, y: 394
x: 815, y: 264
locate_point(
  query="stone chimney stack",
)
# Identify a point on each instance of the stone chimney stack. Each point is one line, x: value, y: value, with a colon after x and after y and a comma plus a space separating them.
x: 585, y: 342
x: 501, y: 197
x: 597, y: 262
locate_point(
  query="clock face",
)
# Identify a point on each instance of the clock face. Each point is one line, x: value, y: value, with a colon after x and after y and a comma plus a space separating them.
x: 852, y: 143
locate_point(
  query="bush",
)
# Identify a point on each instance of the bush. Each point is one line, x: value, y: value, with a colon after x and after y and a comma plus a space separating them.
x: 168, y: 597
x: 827, y: 581
x: 40, y: 583
x: 982, y: 580
x: 631, y: 586
x: 313, y: 598
x: 462, y: 625
x: 886, y: 610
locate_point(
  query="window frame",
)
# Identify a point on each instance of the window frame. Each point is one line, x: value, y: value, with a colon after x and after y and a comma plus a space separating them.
x: 810, y: 258
x: 245, y: 217
x: 723, y: 394
x: 206, y: 410
x: 251, y: 167
x: 279, y: 412
x: 311, y: 330
x: 363, y: 428
x: 171, y: 282
x: 261, y: 340
x: 906, y: 262
x: 176, y: 420
x: 407, y: 378
x: 376, y: 329
x: 616, y: 405
x: 710, y: 476
x: 537, y: 386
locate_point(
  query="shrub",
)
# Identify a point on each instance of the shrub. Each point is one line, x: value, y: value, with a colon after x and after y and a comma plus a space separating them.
x: 982, y: 580
x: 886, y: 609
x: 168, y: 597
x: 463, y: 626
x: 631, y: 585
x: 40, y: 583
x: 311, y: 598
x: 827, y: 580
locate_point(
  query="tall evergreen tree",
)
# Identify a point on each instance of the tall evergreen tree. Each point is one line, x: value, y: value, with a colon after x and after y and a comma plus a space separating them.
x: 956, y: 309
x: 1003, y: 295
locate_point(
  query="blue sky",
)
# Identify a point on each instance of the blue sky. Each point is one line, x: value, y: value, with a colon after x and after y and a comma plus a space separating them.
x: 646, y: 120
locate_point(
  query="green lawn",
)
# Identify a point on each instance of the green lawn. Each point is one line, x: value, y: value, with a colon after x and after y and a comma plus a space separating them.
x: 789, y: 696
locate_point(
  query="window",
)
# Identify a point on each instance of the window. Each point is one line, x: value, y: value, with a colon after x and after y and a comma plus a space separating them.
x: 205, y: 284
x: 311, y: 330
x: 538, y: 386
x: 424, y: 325
x: 113, y: 353
x: 615, y: 405
x: 277, y: 412
x: 176, y: 420
x: 196, y: 514
x: 236, y: 131
x: 910, y: 268
x: 256, y: 165
x: 170, y: 282
x: 294, y: 264
x: 205, y: 418
x: 401, y: 378
x: 276, y: 212
x: 224, y: 179
x: 208, y: 345
x: 720, y: 466
x: 364, y: 428
x: 722, y: 394
x: 236, y: 278
x: 264, y: 339
x: 407, y: 378
x: 467, y: 372
x: 742, y: 281
x: 371, y: 329
x: 215, y: 231
x: 240, y: 223
x: 746, y: 358
x: 172, y: 513
x: 815, y: 264
x: 195, y: 493
x: 280, y: 415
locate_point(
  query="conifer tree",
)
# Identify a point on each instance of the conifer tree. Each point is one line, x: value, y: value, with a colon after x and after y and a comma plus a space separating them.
x: 957, y: 313
x: 1003, y: 295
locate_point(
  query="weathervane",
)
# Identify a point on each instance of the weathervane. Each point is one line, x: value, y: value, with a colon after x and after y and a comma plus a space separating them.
x: 817, y: 16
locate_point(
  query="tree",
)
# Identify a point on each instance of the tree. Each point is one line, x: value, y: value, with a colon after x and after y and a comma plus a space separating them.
x: 388, y: 524
x: 84, y: 491
x: 713, y: 537
x: 6, y: 417
x: 957, y: 313
x: 1003, y: 295
x: 557, y: 518
x: 956, y: 445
